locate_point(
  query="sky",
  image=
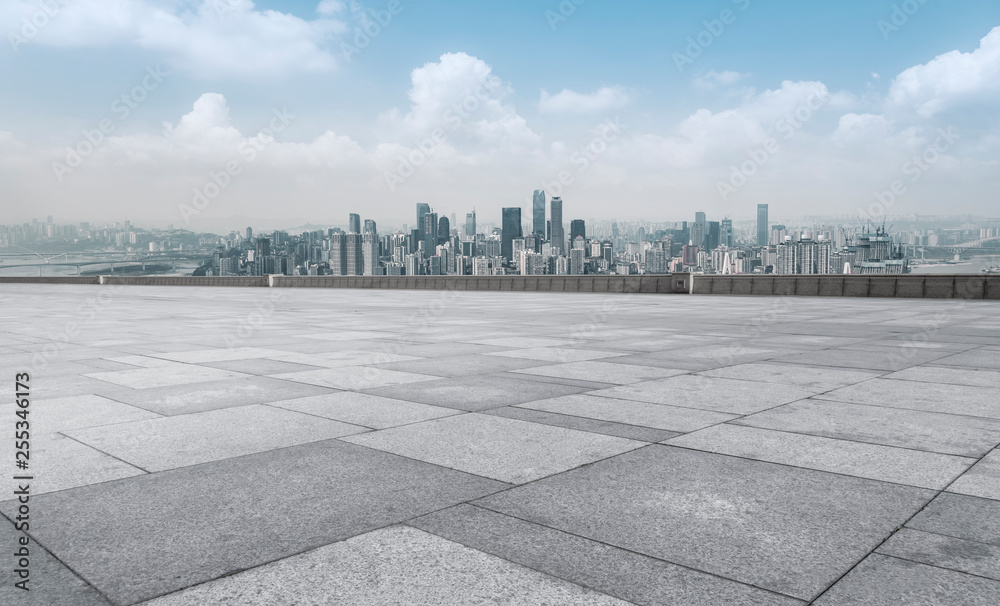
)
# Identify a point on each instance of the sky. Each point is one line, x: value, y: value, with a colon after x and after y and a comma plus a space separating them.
x: 206, y: 113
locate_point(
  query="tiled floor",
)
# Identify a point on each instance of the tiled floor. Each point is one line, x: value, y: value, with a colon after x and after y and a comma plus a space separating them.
x: 248, y: 446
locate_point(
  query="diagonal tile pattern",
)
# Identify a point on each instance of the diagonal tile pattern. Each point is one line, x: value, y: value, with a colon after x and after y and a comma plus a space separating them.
x: 507, y: 449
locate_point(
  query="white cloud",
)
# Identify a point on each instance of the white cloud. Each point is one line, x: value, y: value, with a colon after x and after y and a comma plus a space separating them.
x: 572, y: 102
x: 949, y: 79
x: 208, y: 38
x: 714, y: 79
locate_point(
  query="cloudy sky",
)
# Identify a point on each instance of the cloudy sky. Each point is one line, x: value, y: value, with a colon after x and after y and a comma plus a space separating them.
x: 199, y: 112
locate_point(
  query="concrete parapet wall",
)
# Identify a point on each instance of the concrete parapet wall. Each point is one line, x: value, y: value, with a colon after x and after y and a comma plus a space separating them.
x: 969, y: 286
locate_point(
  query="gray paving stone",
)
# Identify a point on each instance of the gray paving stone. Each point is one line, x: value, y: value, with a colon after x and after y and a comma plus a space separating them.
x: 139, y: 538
x: 557, y: 354
x: 983, y: 480
x: 793, y: 531
x: 884, y: 581
x: 171, y: 442
x: 978, y: 359
x: 344, y: 358
x: 601, y: 372
x: 657, y: 416
x: 164, y: 376
x: 354, y: 377
x: 608, y: 428
x: 476, y: 393
x: 811, y: 377
x: 929, y: 397
x: 203, y: 356
x: 365, y: 409
x: 504, y: 449
x: 898, y: 465
x: 709, y: 393
x: 398, y: 565
x: 865, y: 359
x: 261, y: 366
x: 50, y: 582
x: 461, y: 366
x: 961, y: 516
x: 58, y: 414
x: 623, y: 574
x: 942, y: 551
x: 949, y: 375
x: 525, y: 342
x: 59, y: 462
x: 186, y: 399
x: 932, y: 432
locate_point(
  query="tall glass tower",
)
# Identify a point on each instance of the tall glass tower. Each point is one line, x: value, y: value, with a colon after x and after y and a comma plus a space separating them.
x: 511, y: 231
x: 557, y: 235
x: 538, y: 213
x: 422, y: 211
x: 762, y: 225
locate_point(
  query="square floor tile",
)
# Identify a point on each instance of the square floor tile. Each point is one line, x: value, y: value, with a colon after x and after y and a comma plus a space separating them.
x: 789, y: 530
x: 972, y: 557
x: 602, y: 372
x: 366, y: 410
x: 397, y: 565
x: 929, y: 397
x: 557, y: 354
x: 59, y: 414
x: 59, y: 462
x: 477, y: 393
x: 164, y: 376
x: 355, y: 377
x: 461, y: 366
x: 872, y: 461
x: 657, y: 416
x: 949, y: 375
x: 933, y: 432
x: 503, y: 449
x: 171, y: 442
x: 709, y: 393
x: 983, y: 480
x: 142, y: 537
x: 812, y: 377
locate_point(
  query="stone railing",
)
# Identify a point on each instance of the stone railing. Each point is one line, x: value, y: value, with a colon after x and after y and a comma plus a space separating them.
x: 971, y: 286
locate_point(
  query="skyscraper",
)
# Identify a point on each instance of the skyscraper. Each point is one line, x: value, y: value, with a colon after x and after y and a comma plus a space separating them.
x: 511, y: 230
x: 370, y: 227
x: 355, y: 256
x: 422, y: 210
x: 577, y: 228
x: 557, y: 236
x: 538, y: 213
x: 338, y: 254
x: 470, y: 224
x: 444, y: 230
x: 355, y: 224
x: 726, y: 237
x: 430, y: 231
x: 762, y: 225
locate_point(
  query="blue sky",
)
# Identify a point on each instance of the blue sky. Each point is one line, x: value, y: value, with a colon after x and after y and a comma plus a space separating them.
x: 687, y: 136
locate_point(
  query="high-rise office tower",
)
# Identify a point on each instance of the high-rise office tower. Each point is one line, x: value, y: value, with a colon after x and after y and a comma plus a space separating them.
x: 355, y: 256
x: 713, y: 237
x: 338, y: 254
x: 556, y: 234
x: 354, y: 225
x: 726, y: 237
x: 422, y: 210
x: 430, y: 231
x: 511, y: 230
x: 444, y: 230
x: 249, y: 233
x: 697, y: 235
x: 577, y: 229
x: 470, y: 224
x: 538, y: 213
x: 369, y: 251
x: 762, y: 230
x: 370, y: 227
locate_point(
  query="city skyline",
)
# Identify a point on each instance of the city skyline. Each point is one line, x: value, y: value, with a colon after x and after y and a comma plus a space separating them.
x: 725, y: 123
